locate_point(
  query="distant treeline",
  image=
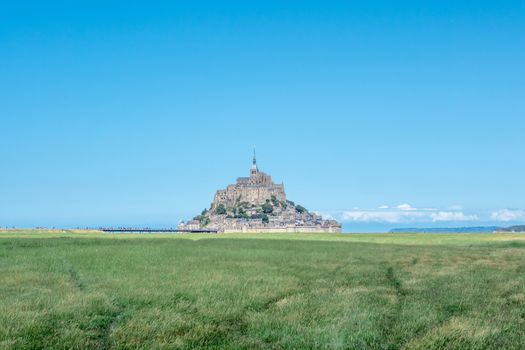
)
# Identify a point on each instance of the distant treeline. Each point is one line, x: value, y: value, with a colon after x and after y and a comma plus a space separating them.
x: 517, y: 228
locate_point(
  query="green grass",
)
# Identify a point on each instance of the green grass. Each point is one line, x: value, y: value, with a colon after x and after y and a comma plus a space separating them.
x: 65, y: 289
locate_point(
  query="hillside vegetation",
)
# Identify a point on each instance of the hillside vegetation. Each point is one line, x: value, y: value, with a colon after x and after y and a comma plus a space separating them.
x: 66, y: 289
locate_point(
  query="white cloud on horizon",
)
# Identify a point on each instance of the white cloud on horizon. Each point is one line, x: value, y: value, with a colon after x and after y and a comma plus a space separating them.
x: 406, y: 214
x: 452, y: 216
x: 455, y: 207
x: 402, y: 213
x: 406, y: 207
x: 506, y: 215
x: 380, y: 216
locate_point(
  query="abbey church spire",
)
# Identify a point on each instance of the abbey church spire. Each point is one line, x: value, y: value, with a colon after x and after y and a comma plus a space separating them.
x: 254, y: 169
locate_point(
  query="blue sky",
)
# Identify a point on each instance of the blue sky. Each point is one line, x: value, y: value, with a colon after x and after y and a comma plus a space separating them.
x: 379, y: 113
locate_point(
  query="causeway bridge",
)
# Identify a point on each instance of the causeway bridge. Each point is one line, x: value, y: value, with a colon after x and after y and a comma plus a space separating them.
x: 155, y: 230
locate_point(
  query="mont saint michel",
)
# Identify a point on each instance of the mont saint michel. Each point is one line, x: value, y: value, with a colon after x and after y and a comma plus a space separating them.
x: 257, y: 204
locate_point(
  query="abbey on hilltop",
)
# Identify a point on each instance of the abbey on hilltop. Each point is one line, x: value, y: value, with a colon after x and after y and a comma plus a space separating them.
x: 256, y: 204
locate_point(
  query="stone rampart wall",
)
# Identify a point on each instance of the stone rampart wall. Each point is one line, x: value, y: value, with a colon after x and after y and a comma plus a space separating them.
x: 304, y: 229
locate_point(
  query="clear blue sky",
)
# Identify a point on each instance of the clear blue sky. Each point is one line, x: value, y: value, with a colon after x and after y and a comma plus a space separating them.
x: 135, y: 112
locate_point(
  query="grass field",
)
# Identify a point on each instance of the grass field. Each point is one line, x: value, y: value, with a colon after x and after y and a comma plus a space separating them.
x: 293, y: 291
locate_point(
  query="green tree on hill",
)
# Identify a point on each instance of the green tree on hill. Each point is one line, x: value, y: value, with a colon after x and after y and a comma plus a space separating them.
x: 204, y: 220
x: 267, y: 208
x: 221, y: 210
x: 300, y: 209
x: 241, y: 214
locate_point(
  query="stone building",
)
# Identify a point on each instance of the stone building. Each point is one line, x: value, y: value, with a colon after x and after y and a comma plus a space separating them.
x: 257, y: 204
x: 255, y: 189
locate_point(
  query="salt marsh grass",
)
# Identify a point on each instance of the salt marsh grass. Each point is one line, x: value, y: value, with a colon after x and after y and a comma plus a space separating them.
x: 82, y: 289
